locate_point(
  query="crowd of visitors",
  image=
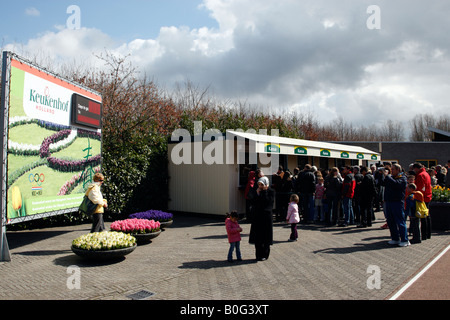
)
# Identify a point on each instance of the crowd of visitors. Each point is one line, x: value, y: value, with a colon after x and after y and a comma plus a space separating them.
x: 341, y: 197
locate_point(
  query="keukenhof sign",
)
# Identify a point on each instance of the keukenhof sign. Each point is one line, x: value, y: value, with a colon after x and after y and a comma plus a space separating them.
x: 48, y: 156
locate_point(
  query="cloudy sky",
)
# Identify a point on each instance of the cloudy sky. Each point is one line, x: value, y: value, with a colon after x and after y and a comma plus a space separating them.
x: 331, y: 58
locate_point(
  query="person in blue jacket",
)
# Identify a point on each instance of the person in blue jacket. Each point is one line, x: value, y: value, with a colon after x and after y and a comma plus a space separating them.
x: 394, y: 198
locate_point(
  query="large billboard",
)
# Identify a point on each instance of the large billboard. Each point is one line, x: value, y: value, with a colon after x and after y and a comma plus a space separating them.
x: 52, y: 138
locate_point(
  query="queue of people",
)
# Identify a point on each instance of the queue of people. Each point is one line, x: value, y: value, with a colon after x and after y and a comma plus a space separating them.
x: 342, y: 197
x: 331, y: 196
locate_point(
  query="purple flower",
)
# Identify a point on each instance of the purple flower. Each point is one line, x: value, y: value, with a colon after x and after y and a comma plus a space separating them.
x: 45, y: 146
x: 71, y: 166
x: 89, y: 134
x: 156, y: 215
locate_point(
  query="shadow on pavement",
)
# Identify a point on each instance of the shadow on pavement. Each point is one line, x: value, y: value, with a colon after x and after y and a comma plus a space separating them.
x: 209, y: 264
x: 42, y: 252
x: 17, y: 239
x: 379, y: 245
x: 74, y: 260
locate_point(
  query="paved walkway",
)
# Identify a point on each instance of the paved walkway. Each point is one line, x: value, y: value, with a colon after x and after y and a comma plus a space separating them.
x: 188, y: 262
x: 431, y: 282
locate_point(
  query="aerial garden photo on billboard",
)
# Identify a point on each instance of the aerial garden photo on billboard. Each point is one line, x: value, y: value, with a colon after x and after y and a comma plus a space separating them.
x: 53, y: 141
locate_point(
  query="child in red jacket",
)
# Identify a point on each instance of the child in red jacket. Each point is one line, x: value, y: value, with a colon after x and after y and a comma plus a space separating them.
x: 234, y: 235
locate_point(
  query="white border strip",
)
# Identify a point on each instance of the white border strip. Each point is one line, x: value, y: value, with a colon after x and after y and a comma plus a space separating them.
x: 399, y: 293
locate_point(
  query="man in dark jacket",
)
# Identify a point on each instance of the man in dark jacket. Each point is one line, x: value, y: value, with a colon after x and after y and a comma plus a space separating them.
x: 440, y: 176
x: 333, y: 188
x: 277, y: 186
x: 378, y: 176
x: 357, y: 196
x: 306, y: 186
x: 394, y: 199
x: 368, y: 191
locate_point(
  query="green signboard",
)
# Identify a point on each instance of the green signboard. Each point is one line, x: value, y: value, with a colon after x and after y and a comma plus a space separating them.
x: 272, y: 148
x: 301, y: 150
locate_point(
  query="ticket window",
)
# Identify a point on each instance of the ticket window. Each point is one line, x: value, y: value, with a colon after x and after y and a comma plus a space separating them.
x: 323, y: 163
x: 428, y: 163
x: 302, y: 161
x: 283, y: 161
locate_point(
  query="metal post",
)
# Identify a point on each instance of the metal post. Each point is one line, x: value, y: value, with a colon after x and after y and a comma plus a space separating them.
x: 6, y: 72
x: 5, y: 255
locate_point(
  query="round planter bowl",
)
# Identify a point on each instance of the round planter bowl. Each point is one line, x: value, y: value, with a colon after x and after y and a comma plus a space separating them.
x: 103, y: 255
x: 143, y: 237
x: 166, y: 224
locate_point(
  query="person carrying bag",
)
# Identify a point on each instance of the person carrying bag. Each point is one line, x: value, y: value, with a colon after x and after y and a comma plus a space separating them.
x: 87, y: 207
x: 93, y: 204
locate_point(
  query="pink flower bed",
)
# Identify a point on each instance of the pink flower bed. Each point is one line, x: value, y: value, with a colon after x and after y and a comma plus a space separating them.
x: 136, y: 226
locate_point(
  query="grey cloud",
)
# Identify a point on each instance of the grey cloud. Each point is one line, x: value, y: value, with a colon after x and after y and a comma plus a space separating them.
x: 301, y: 55
x: 284, y: 52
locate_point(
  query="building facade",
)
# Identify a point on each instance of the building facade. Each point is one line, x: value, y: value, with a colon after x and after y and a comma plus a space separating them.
x: 208, y: 174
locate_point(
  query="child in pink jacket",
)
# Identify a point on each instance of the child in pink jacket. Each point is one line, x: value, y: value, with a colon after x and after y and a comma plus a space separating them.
x: 293, y: 217
x: 234, y: 235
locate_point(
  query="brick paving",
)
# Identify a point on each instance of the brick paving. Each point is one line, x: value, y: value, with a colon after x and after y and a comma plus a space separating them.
x: 187, y: 261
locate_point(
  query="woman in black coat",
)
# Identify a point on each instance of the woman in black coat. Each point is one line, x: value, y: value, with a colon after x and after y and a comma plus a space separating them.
x: 261, y: 231
x: 333, y: 187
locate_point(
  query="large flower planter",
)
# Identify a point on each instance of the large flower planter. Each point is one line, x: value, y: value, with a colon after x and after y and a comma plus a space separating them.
x: 165, y: 224
x: 103, y: 254
x: 440, y: 215
x: 145, y: 237
x: 164, y: 218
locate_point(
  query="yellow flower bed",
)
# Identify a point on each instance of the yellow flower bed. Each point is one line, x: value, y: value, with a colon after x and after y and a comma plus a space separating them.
x: 104, y: 241
x: 441, y: 194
